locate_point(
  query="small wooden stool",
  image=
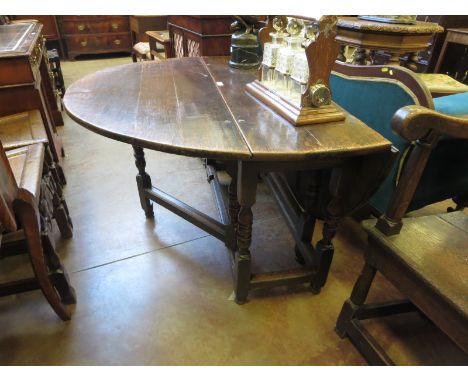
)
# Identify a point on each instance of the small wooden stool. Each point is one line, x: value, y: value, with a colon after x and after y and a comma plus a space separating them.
x: 141, y: 52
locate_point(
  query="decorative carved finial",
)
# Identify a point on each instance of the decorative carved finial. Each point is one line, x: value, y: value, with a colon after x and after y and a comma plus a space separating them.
x: 327, y: 25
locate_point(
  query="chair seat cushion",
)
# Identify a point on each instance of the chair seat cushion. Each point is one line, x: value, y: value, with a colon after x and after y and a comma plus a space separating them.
x: 435, y: 249
x: 456, y: 104
x: 142, y: 48
x: 438, y: 83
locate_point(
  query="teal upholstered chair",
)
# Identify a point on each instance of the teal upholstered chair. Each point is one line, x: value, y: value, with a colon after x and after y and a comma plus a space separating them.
x: 374, y: 94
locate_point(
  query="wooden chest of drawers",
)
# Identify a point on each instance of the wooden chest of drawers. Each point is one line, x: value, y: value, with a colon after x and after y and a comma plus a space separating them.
x: 95, y: 34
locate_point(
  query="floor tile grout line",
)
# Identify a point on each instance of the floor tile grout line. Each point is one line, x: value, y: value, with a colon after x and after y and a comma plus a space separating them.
x: 139, y: 254
x: 159, y: 249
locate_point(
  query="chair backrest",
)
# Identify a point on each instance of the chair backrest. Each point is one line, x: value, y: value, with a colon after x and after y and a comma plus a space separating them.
x: 8, y: 193
x: 373, y: 94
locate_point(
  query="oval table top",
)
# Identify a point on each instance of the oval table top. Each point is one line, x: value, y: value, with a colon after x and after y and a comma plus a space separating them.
x: 199, y: 107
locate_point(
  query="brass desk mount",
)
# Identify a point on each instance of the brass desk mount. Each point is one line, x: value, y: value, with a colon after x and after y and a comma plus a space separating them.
x: 302, y: 94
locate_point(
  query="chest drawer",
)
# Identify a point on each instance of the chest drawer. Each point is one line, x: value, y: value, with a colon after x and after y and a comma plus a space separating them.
x: 114, y: 25
x: 91, y: 43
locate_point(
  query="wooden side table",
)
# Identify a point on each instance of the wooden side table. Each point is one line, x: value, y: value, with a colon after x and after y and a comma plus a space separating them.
x: 161, y: 37
x: 456, y: 36
x: 224, y: 123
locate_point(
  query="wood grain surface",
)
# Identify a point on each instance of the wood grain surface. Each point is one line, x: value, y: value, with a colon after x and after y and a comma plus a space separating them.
x: 199, y: 107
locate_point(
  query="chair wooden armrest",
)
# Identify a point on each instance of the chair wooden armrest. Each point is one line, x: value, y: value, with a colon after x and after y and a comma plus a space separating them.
x: 27, y: 164
x: 18, y: 144
x: 414, y: 122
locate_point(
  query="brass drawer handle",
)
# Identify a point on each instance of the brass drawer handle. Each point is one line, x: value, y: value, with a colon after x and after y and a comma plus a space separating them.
x: 117, y: 42
x: 81, y: 27
x: 84, y: 43
x: 115, y: 26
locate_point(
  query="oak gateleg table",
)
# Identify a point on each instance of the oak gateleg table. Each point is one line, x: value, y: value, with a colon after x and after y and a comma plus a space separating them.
x: 198, y: 107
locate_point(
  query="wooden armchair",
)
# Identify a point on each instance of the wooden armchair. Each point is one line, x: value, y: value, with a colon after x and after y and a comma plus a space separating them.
x: 373, y: 94
x: 423, y: 257
x: 23, y: 129
x: 25, y: 199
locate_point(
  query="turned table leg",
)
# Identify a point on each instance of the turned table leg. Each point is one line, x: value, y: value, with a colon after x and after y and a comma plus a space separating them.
x: 324, y: 248
x: 143, y: 181
x: 246, y: 190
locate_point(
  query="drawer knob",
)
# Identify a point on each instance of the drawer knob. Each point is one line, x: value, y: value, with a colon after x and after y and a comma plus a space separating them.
x: 115, y: 26
x: 81, y: 27
x: 84, y: 43
x: 117, y: 42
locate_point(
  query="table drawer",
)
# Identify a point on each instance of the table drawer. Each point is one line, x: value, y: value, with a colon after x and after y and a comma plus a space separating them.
x: 89, y: 27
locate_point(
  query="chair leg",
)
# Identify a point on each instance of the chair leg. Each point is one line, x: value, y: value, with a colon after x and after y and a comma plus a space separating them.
x: 59, y: 276
x: 28, y: 218
x: 358, y: 297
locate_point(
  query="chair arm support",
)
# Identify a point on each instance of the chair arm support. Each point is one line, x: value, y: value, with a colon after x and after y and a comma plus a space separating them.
x: 20, y: 144
x: 414, y: 122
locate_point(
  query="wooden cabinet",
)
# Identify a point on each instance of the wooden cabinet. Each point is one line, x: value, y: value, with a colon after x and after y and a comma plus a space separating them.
x: 95, y: 34
x: 25, y: 78
x: 194, y: 36
x: 50, y: 30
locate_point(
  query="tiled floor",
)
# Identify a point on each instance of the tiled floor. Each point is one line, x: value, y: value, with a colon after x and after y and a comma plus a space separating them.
x: 158, y: 292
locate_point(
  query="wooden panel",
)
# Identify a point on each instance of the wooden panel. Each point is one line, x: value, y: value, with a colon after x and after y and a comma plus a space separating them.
x: 200, y: 35
x: 207, y: 25
x: 188, y: 118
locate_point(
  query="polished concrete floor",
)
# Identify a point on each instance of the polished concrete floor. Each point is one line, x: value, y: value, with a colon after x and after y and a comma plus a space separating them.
x: 159, y: 292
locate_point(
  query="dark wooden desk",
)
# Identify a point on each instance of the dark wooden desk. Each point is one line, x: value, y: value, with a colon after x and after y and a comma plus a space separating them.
x: 205, y: 112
